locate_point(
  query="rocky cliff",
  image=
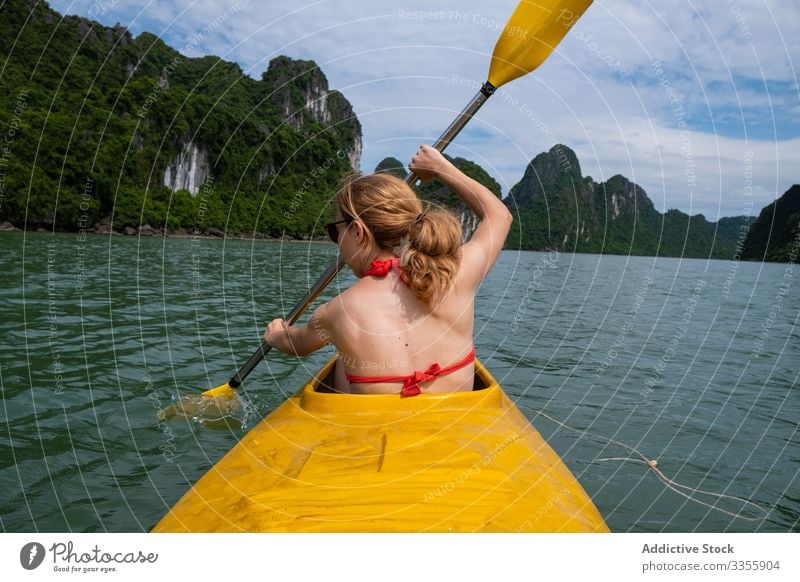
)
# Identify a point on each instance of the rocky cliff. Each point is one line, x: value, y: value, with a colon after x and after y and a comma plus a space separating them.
x: 126, y: 130
x: 123, y: 132
x: 555, y: 206
x: 775, y: 235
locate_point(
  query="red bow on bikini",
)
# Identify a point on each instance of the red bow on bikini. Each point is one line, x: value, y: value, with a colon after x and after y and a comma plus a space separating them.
x: 411, y: 383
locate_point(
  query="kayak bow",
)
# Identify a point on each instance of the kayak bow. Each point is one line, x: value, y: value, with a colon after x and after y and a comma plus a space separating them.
x: 326, y: 462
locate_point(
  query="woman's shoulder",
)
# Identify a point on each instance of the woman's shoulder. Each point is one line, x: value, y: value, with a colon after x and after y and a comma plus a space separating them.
x: 350, y: 298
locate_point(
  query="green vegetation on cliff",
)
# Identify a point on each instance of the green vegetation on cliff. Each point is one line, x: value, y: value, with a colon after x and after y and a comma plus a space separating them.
x: 128, y: 130
x: 101, y: 128
x: 775, y: 235
x: 555, y: 206
x: 391, y: 166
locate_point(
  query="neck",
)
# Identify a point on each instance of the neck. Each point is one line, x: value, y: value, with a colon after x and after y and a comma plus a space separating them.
x: 384, y: 255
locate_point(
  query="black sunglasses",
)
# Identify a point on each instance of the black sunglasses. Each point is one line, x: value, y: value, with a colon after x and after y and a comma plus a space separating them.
x: 333, y: 232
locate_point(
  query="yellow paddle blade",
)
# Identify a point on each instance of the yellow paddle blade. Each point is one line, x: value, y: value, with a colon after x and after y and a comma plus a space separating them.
x: 530, y: 35
x: 211, y: 412
x: 224, y: 391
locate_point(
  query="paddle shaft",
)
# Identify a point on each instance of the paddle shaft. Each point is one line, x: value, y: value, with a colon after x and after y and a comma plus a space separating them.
x: 486, y: 91
x: 318, y: 287
x: 333, y: 269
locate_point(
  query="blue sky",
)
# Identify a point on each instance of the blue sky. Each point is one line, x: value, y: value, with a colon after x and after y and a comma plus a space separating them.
x: 696, y: 101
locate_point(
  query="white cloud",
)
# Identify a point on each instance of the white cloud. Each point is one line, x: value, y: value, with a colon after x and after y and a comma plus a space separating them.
x: 404, y: 65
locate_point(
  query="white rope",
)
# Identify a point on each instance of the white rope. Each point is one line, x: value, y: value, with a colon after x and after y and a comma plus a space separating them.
x: 652, y: 464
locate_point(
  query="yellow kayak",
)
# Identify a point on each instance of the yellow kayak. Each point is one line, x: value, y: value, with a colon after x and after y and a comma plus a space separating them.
x: 325, y: 462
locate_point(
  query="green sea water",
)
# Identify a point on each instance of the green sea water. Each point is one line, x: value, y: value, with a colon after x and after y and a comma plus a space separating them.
x: 692, y: 363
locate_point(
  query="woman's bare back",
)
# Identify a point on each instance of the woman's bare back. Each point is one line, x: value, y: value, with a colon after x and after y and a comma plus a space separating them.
x: 382, y: 329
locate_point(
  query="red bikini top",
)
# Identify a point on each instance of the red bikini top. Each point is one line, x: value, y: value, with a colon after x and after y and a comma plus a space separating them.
x: 411, y: 383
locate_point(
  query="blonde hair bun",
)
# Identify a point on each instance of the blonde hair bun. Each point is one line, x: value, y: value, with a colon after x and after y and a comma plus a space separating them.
x: 426, y: 240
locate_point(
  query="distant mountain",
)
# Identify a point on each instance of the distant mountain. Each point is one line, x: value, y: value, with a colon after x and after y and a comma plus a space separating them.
x: 126, y: 131
x: 775, y: 235
x: 391, y: 166
x: 555, y: 206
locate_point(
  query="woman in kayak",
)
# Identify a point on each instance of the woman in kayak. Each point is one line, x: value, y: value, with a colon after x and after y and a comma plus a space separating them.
x: 406, y: 326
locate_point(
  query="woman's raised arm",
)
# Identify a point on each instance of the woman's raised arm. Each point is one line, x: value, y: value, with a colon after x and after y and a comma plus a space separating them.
x: 482, y: 250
